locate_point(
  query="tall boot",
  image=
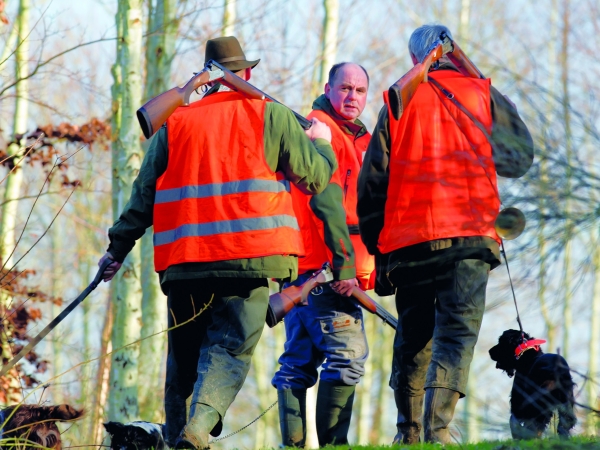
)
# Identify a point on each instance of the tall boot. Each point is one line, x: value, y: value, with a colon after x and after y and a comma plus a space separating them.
x: 439, y: 410
x: 410, y: 410
x: 203, y: 419
x: 292, y: 416
x: 334, y: 411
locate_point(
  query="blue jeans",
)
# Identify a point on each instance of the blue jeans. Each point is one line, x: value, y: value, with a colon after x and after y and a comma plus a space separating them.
x: 329, y: 331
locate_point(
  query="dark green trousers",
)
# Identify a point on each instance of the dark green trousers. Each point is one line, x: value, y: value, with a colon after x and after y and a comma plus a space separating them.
x: 440, y: 308
x: 209, y: 356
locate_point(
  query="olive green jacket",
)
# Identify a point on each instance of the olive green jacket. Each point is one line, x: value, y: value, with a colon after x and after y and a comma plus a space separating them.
x: 287, y: 149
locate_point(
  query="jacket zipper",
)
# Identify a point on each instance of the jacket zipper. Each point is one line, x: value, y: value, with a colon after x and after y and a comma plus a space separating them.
x: 346, y: 182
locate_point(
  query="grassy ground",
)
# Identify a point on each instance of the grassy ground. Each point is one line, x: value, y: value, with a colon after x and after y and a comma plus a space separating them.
x: 576, y: 443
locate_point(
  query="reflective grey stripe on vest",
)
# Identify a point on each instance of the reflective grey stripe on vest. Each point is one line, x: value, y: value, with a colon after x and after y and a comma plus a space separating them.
x: 225, y: 226
x: 218, y: 189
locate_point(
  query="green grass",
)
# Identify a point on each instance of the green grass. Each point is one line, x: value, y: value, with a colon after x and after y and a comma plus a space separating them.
x: 575, y: 443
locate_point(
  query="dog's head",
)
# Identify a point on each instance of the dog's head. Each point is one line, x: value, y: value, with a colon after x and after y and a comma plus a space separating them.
x: 511, y: 344
x: 35, y: 423
x: 135, y: 436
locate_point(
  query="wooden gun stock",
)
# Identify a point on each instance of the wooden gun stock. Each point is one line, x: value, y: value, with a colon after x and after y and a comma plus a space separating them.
x: 155, y: 112
x: 402, y: 91
x: 282, y: 303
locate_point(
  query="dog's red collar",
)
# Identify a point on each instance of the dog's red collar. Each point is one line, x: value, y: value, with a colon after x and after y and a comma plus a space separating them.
x: 526, y: 345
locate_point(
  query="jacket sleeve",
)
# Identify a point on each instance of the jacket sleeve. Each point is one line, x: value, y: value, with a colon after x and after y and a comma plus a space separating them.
x: 138, y: 212
x: 512, y: 145
x: 373, y: 183
x: 329, y: 209
x: 287, y: 148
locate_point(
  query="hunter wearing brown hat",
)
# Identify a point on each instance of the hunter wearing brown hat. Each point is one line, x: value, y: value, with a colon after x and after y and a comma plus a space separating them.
x: 215, y: 183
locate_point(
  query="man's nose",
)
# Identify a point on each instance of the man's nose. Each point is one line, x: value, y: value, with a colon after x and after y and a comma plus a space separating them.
x: 352, y: 94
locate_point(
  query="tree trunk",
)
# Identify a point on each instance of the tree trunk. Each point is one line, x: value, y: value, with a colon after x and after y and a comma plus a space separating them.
x: 127, y: 96
x: 568, y: 269
x: 329, y: 35
x: 8, y: 210
x: 12, y: 189
x: 102, y: 376
x: 591, y: 424
x: 542, y: 244
x: 160, y: 49
x: 229, y: 16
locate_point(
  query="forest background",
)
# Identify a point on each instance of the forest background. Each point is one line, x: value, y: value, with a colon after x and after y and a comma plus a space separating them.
x: 72, y: 75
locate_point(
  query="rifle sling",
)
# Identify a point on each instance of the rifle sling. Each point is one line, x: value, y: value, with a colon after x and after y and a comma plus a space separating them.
x: 450, y: 96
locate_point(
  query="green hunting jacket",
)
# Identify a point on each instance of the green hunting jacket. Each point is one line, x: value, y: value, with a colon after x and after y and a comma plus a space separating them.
x: 287, y: 149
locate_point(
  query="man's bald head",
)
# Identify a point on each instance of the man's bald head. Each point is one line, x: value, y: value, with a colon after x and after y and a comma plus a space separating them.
x: 336, y: 67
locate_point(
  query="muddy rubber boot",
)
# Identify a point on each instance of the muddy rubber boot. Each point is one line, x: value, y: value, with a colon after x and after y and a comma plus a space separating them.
x: 203, y: 419
x: 292, y: 416
x: 439, y: 410
x: 410, y: 411
x: 334, y: 411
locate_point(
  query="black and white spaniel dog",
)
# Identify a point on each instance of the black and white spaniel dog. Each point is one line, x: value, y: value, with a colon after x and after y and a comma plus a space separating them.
x: 136, y: 436
x: 542, y: 385
x: 34, y: 425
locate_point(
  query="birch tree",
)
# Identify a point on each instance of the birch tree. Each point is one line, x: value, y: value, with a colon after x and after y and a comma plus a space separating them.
x: 568, y: 266
x: 229, y: 17
x: 160, y: 50
x: 12, y: 188
x: 127, y: 96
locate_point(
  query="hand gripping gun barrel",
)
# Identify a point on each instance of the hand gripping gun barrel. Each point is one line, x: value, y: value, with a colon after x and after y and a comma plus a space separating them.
x: 402, y: 91
x: 155, y: 112
x: 281, y: 303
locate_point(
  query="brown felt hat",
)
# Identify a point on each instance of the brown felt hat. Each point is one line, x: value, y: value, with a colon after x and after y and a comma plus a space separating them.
x: 227, y: 51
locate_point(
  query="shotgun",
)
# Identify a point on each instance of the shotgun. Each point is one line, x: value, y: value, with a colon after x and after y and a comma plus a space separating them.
x: 402, y: 91
x: 281, y: 303
x: 155, y: 112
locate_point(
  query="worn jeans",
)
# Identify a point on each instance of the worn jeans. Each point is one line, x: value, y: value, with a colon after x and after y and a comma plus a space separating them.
x: 328, y: 331
x: 209, y: 356
x: 440, y: 309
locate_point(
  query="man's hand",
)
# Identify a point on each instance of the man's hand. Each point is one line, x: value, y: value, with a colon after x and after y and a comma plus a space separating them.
x: 344, y: 287
x: 112, y: 269
x: 319, y: 130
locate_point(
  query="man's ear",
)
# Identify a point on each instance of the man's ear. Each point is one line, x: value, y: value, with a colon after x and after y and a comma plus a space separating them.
x: 327, y: 90
x: 248, y: 73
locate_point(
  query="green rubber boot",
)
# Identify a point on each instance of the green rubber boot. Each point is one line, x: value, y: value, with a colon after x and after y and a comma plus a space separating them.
x: 410, y: 410
x: 203, y: 419
x: 439, y: 410
x: 292, y: 416
x: 334, y: 411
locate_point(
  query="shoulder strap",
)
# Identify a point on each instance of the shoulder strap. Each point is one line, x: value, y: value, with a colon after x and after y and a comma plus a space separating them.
x: 450, y: 96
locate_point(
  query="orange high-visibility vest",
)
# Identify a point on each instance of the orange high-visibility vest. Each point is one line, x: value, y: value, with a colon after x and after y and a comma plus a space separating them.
x: 442, y: 181
x: 349, y: 153
x: 218, y: 199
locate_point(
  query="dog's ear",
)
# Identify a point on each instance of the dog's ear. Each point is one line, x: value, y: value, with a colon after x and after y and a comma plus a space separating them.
x: 113, y: 428
x: 495, y: 353
x: 64, y: 413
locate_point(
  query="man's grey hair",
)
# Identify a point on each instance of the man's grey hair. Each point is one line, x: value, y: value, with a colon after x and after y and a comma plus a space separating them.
x: 422, y: 38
